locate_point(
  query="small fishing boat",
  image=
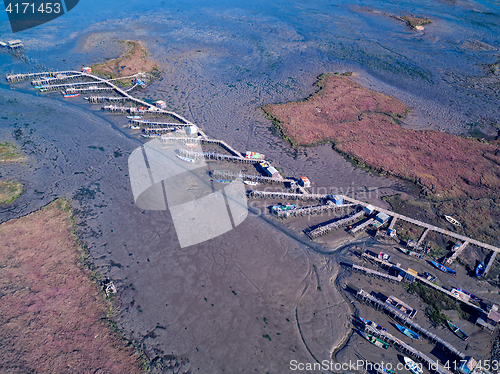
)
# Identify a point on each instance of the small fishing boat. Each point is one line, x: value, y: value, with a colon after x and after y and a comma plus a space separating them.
x: 68, y: 94
x: 251, y: 183
x: 191, y: 145
x: 443, y: 268
x: 372, y: 324
x: 187, y: 159
x: 452, y: 220
x: 222, y: 181
x: 413, y: 366
x: 43, y: 90
x: 456, y: 330
x: 280, y: 207
x: 134, y: 117
x: 480, y: 269
x: 472, y: 297
x: 382, y: 369
x: 374, y: 340
x: 408, y: 332
x: 135, y: 127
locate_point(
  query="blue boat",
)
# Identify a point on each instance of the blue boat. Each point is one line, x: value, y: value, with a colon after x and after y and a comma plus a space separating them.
x: 409, y: 333
x: 480, y: 269
x: 443, y: 268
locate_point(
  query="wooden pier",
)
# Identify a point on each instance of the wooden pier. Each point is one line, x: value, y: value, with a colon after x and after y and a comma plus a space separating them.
x: 154, y: 124
x: 361, y: 226
x: 323, y: 230
x: 311, y: 210
x: 58, y: 79
x: 212, y: 156
x: 227, y: 147
x: 459, y: 250
x: 226, y: 174
x: 284, y: 195
x: 423, y: 280
x: 490, y: 262
x: 101, y: 99
x: 393, y: 222
x: 422, y: 237
x: 398, y: 315
x: 13, y: 78
x: 378, y: 274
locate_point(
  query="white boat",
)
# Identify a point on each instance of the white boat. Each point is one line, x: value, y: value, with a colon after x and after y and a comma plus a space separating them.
x: 134, y: 117
x: 135, y: 127
x: 453, y: 221
x: 187, y: 159
x: 251, y: 183
x: 413, y: 366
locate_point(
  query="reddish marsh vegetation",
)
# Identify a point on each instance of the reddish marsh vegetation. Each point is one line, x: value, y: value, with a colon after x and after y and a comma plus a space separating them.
x: 51, y: 314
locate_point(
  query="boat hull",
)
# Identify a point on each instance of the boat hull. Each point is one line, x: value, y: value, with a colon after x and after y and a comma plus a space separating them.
x: 375, y: 341
x: 413, y: 366
x: 409, y: 333
x: 457, y: 331
x: 480, y: 269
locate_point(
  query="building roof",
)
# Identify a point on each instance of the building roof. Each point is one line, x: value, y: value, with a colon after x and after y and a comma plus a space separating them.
x: 383, y: 216
x: 305, y: 179
x: 494, y: 315
x: 272, y: 170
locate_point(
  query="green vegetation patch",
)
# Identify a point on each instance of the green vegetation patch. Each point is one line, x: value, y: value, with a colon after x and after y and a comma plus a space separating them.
x: 9, y: 191
x: 436, y: 301
x: 9, y: 153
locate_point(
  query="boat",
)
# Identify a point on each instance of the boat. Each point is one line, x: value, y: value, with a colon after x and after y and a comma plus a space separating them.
x: 135, y: 127
x: 223, y: 181
x: 280, y: 207
x: 452, y: 220
x: 382, y: 369
x: 456, y: 330
x: 480, y: 269
x: 374, y: 340
x: 413, y: 366
x: 472, y: 297
x: 408, y: 332
x: 251, y: 183
x: 191, y: 145
x: 443, y: 268
x: 43, y: 90
x: 187, y: 159
x: 134, y: 117
x: 372, y: 324
x: 67, y: 94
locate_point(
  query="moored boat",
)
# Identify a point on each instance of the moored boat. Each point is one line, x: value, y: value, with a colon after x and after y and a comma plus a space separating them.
x: 413, y: 366
x: 443, y: 268
x: 457, y: 331
x: 374, y: 340
x: 69, y: 94
x: 372, y: 324
x: 251, y: 183
x: 280, y: 207
x: 135, y: 127
x: 382, y: 369
x: 134, y: 117
x: 452, y: 221
x: 187, y: 159
x: 409, y: 333
x: 480, y: 269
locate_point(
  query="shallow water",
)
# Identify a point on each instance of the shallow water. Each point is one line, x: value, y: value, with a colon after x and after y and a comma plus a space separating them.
x: 221, y: 61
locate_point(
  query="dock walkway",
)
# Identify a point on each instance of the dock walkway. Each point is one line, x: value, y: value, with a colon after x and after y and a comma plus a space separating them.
x: 367, y: 271
x: 405, y: 320
x: 323, y: 230
x: 310, y: 210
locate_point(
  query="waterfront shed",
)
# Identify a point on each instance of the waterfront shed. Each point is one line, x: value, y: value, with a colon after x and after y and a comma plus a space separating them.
x: 382, y: 217
x: 369, y: 209
x: 272, y: 172
x: 160, y: 104
x: 305, y: 182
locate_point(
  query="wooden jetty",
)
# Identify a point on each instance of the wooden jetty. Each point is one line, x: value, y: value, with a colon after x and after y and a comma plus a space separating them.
x: 58, y: 79
x: 154, y: 124
x: 13, y: 78
x: 361, y: 226
x: 101, y: 99
x: 398, y: 315
x: 167, y: 139
x: 378, y: 274
x: 311, y: 210
x: 226, y: 174
x: 422, y: 237
x: 72, y: 86
x: 212, y: 156
x: 462, y: 238
x: 490, y: 262
x: 385, y: 263
x: 323, y: 230
x: 455, y: 254
x: 227, y: 147
x: 393, y: 222
x: 284, y: 195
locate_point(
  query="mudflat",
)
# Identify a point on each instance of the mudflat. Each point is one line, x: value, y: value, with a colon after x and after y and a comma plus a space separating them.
x: 52, y: 316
